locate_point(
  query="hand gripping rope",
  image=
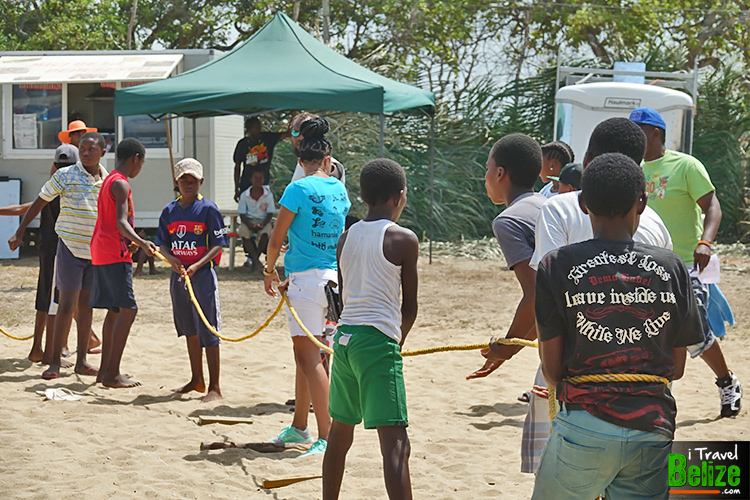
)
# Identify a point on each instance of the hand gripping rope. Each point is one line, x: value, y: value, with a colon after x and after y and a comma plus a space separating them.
x: 284, y: 299
x: 614, y: 377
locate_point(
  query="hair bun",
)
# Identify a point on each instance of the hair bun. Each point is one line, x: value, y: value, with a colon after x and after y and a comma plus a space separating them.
x: 314, y: 128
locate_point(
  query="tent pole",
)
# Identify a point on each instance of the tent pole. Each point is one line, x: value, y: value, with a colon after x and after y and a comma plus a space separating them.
x: 171, y: 157
x: 432, y: 177
x: 195, y: 141
x: 382, y: 135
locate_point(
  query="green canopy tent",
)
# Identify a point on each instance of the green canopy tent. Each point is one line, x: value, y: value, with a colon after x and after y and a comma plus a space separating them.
x: 279, y: 67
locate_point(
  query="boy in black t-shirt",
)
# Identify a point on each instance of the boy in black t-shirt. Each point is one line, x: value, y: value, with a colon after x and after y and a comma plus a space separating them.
x: 610, y: 306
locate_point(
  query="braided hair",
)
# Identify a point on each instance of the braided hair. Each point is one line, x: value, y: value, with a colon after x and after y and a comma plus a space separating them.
x: 315, y: 145
x: 559, y: 151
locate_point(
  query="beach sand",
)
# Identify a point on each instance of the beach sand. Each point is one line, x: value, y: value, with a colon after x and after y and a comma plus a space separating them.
x: 144, y: 442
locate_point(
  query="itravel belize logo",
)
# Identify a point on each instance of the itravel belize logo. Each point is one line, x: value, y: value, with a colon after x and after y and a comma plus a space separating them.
x: 709, y: 470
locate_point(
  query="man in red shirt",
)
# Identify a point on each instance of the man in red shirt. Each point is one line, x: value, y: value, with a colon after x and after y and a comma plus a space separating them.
x: 112, y: 262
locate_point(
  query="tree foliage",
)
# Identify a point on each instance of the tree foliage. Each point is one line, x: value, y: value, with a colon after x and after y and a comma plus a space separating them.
x: 489, y: 63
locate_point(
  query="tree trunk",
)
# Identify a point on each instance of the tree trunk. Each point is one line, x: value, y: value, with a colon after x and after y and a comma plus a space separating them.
x: 131, y: 24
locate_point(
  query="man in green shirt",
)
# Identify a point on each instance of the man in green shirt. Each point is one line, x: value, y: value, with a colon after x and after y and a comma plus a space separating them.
x: 679, y: 190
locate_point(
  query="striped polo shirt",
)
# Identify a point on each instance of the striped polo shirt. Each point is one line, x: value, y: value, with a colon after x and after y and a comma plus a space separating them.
x: 78, y: 192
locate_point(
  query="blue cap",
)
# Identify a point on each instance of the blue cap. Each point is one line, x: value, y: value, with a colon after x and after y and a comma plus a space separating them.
x: 648, y: 116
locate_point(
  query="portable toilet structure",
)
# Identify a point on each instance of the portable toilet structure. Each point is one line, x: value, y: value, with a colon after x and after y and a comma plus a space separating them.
x: 580, y: 107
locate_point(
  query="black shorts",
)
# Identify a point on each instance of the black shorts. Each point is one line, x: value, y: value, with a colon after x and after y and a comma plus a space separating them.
x: 113, y: 287
x: 187, y: 321
x: 46, y: 272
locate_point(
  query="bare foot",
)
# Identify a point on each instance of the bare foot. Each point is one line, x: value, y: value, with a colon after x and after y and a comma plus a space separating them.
x: 64, y: 363
x: 154, y: 272
x: 94, y: 341
x: 86, y: 369
x: 36, y: 355
x: 138, y: 273
x: 120, y: 382
x: 193, y: 385
x: 213, y: 395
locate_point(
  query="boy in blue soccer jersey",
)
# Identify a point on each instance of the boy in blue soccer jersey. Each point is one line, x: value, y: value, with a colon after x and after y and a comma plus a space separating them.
x: 191, y: 235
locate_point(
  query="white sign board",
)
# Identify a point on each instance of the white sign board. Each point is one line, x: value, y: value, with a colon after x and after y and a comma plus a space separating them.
x: 10, y: 194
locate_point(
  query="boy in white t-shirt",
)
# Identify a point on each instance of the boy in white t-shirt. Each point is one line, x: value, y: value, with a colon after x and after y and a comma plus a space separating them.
x: 377, y: 263
x: 256, y: 208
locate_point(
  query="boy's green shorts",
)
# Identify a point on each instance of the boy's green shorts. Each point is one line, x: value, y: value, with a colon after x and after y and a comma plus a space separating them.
x: 367, y: 378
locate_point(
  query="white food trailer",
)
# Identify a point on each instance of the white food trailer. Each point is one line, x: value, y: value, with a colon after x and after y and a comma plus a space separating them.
x: 41, y: 92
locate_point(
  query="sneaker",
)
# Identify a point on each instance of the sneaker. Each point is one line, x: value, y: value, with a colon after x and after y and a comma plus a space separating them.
x: 730, y: 391
x: 291, y: 437
x: 318, y: 446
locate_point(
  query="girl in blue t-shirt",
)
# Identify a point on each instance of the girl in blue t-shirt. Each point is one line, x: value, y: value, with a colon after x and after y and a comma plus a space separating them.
x: 312, y: 212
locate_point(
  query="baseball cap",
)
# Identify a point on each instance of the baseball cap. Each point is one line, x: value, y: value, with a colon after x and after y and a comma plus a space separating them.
x: 188, y: 166
x: 66, y: 153
x: 570, y: 174
x: 648, y: 116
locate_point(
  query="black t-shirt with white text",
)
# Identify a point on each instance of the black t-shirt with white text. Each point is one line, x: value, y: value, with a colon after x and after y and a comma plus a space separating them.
x: 622, y: 308
x: 255, y: 154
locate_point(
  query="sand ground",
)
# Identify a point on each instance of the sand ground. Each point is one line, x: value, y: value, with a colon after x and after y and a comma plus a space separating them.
x: 144, y: 442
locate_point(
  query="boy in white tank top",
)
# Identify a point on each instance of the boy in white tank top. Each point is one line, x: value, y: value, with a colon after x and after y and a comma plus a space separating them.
x: 377, y: 262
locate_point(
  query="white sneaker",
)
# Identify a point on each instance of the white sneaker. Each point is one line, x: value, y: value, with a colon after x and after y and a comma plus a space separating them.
x: 291, y: 437
x: 730, y: 392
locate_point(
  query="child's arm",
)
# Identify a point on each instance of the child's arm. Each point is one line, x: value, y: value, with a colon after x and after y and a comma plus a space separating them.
x: 339, y: 246
x: 401, y: 247
x: 522, y: 327
x: 15, y: 209
x: 213, y: 252
x: 283, y: 222
x: 679, y: 355
x: 120, y: 191
x: 551, y: 353
x: 36, y: 207
x: 167, y: 253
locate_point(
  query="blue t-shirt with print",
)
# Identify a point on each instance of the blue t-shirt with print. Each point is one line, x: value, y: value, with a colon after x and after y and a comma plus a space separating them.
x: 320, y: 205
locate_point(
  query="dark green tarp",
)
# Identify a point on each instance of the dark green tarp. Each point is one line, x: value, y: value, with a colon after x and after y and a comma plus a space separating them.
x: 279, y: 67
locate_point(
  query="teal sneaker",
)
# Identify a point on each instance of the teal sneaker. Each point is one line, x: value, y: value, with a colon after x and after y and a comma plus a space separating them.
x: 291, y: 437
x: 318, y: 446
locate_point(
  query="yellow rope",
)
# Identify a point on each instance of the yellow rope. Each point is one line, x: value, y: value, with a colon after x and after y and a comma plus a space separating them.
x: 205, y: 320
x: 14, y: 337
x: 284, y: 299
x: 617, y: 377
x: 469, y: 347
x: 307, y: 332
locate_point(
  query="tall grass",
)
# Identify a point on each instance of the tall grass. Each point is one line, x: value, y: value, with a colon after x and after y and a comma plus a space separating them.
x: 723, y: 119
x: 465, y: 133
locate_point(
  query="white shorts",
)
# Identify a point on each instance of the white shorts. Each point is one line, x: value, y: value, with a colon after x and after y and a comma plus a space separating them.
x: 308, y: 297
x: 53, y: 298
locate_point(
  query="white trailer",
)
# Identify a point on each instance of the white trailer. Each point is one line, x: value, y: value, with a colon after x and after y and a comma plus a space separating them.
x: 588, y: 100
x: 41, y: 92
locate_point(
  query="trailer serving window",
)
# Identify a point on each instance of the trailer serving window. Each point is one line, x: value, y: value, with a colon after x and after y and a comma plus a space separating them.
x: 42, y: 94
